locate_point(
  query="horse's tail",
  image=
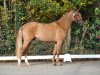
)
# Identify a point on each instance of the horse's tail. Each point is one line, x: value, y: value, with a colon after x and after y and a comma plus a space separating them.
x: 19, y: 42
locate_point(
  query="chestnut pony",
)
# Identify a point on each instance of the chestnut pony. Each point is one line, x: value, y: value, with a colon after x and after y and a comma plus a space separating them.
x: 55, y: 31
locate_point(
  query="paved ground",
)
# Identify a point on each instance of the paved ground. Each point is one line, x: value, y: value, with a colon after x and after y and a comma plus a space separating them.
x: 46, y: 68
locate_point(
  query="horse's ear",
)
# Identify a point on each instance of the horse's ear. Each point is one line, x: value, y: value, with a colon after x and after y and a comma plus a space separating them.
x: 78, y: 9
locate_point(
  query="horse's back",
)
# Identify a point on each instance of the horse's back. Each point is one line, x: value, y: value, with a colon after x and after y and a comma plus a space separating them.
x: 42, y: 31
x: 48, y: 32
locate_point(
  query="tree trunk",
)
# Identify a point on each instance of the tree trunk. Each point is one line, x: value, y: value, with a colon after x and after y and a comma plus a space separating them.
x: 67, y: 41
x: 5, y: 10
x: 4, y: 3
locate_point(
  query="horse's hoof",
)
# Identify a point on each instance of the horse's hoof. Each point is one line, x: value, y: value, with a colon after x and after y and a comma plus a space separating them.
x: 28, y: 65
x: 19, y: 66
x: 54, y: 64
x: 59, y: 64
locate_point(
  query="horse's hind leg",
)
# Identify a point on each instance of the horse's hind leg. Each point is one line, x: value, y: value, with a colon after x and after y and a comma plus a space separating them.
x: 26, y: 60
x: 23, y: 51
x: 28, y: 42
x: 19, y: 62
x: 25, y: 54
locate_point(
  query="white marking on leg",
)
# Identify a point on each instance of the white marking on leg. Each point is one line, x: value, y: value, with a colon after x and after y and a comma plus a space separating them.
x: 19, y: 62
x: 26, y: 61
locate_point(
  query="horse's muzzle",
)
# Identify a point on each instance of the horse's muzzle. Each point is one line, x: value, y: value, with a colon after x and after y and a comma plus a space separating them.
x: 81, y: 22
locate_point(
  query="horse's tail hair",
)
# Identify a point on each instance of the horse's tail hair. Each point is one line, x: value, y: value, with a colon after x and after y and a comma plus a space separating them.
x: 19, y: 42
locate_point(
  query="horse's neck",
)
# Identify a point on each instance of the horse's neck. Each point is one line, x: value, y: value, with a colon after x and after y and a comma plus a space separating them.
x: 66, y: 21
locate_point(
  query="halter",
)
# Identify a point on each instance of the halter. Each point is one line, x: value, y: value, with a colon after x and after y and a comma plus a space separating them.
x: 74, y: 16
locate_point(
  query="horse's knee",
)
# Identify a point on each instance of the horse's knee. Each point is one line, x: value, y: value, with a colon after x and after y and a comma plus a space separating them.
x: 58, y: 52
x: 19, y: 54
x: 54, y: 52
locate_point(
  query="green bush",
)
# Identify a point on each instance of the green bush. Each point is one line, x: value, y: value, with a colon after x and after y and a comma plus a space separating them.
x: 19, y: 12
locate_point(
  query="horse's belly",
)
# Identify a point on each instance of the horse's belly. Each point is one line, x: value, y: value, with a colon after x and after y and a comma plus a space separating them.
x: 45, y: 32
x: 45, y: 36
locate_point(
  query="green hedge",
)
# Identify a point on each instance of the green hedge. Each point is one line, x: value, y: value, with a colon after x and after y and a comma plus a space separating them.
x: 18, y: 12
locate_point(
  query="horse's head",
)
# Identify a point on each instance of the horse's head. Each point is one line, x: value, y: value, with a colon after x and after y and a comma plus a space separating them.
x: 77, y: 17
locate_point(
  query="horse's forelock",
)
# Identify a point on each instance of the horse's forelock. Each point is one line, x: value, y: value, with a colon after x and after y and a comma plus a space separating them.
x: 75, y: 13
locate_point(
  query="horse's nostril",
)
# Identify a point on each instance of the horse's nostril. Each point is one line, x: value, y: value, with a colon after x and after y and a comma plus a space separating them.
x: 81, y: 22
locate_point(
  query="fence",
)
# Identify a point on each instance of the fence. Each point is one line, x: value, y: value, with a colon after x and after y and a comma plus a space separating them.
x: 66, y: 57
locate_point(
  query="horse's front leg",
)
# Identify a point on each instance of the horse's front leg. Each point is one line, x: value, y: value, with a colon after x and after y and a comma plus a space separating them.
x: 54, y: 54
x: 56, y: 51
x: 58, y: 47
